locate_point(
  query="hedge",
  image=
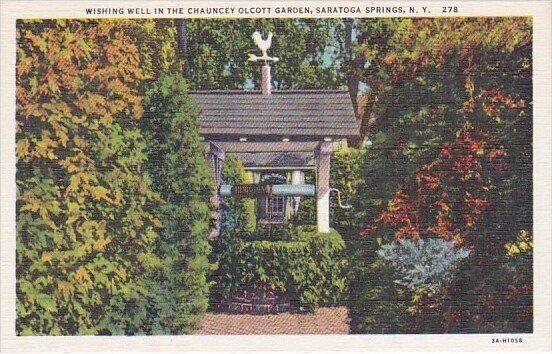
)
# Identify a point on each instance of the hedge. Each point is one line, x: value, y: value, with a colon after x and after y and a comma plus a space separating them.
x: 309, y: 270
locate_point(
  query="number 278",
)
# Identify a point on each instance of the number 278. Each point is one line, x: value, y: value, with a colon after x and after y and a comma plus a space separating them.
x: 450, y: 9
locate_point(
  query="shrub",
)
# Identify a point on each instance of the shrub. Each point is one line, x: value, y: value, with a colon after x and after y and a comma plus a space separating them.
x: 377, y: 306
x: 407, y: 287
x: 278, y: 232
x: 502, y: 302
x: 309, y: 269
x: 178, y: 286
x: 423, y: 267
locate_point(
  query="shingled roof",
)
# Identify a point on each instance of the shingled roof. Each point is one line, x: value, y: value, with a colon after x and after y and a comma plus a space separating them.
x: 319, y: 113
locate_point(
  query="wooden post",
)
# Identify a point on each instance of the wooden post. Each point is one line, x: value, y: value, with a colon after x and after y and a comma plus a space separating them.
x: 215, y: 158
x: 266, y: 81
x: 323, y: 154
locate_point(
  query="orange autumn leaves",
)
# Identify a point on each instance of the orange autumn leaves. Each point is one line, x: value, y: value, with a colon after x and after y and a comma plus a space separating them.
x: 481, y: 70
x: 446, y: 197
x: 82, y: 191
x: 70, y: 65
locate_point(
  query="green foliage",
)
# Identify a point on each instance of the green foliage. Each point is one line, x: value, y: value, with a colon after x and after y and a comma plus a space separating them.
x: 100, y: 250
x: 481, y: 66
x: 308, y: 269
x: 243, y: 209
x: 348, y: 177
x: 277, y: 232
x: 85, y: 231
x: 448, y: 106
x: 178, y: 286
x: 407, y: 288
x: 308, y: 50
x: 423, y: 267
x: 378, y: 306
x: 503, y: 298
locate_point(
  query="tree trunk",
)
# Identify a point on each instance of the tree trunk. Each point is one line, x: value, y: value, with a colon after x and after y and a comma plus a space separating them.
x: 182, y: 36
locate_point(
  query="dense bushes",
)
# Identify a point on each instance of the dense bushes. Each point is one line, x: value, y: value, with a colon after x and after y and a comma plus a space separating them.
x: 98, y: 250
x: 458, y: 169
x: 398, y: 303
x: 308, y: 269
x: 420, y: 272
x: 178, y: 286
x: 407, y: 287
x: 85, y: 231
x: 347, y: 175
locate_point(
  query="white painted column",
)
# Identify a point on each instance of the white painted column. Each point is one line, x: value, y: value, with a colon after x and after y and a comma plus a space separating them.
x: 297, y: 177
x: 323, y: 187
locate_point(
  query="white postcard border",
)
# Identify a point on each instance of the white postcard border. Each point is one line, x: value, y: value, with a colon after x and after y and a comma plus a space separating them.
x: 542, y: 136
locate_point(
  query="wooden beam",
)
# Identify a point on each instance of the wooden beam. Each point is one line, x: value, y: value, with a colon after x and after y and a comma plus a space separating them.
x: 272, y: 146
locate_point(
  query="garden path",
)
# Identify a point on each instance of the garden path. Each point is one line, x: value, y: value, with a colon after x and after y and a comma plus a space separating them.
x: 327, y: 320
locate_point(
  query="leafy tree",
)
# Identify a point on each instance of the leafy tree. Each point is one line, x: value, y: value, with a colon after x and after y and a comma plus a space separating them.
x: 479, y: 129
x: 100, y: 249
x: 451, y: 100
x: 177, y: 164
x: 85, y: 236
x: 308, y: 50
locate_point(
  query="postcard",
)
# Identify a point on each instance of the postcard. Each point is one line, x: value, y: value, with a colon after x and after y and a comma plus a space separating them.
x: 288, y: 176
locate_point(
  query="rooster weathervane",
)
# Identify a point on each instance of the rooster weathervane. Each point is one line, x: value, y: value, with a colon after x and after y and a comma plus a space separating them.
x: 263, y: 45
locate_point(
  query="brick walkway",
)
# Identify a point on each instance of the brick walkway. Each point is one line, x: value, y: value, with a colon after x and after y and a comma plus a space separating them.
x: 323, y: 321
